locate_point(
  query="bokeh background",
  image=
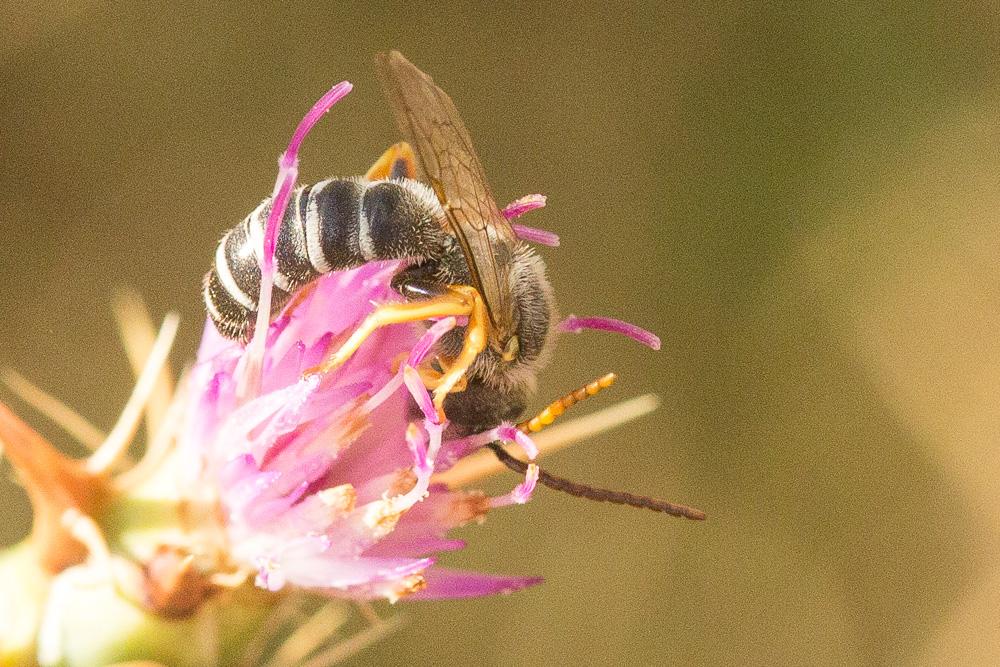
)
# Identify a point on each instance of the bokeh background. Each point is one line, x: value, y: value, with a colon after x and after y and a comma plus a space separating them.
x: 801, y: 201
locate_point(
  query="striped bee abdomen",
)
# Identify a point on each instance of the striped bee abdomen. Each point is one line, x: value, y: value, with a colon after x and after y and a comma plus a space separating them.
x: 336, y: 224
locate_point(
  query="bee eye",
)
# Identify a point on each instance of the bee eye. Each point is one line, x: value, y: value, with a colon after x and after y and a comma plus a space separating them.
x: 511, y: 349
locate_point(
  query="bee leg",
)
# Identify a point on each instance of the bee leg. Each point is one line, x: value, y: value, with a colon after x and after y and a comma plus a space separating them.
x: 449, y: 304
x: 396, y: 162
x: 472, y: 345
x: 432, y: 377
x: 457, y: 301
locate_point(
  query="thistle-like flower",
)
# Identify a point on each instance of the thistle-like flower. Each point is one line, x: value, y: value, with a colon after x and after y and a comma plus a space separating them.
x: 262, y: 488
x: 323, y: 481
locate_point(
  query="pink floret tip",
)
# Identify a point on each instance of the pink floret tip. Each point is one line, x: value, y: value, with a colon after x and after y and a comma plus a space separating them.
x: 519, y: 207
x: 535, y: 235
x: 574, y: 324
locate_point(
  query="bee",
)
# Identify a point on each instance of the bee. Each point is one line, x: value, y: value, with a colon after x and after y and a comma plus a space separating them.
x: 426, y: 202
x: 431, y: 206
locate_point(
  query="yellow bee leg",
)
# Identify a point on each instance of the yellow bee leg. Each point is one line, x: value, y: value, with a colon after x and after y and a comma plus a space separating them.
x: 474, y: 343
x: 432, y: 377
x: 458, y: 301
x: 397, y: 160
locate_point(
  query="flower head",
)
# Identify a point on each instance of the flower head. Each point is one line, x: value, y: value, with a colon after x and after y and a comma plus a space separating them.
x: 325, y: 481
x: 342, y: 483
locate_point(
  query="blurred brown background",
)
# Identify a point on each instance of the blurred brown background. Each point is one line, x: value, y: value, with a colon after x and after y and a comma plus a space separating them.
x: 801, y: 202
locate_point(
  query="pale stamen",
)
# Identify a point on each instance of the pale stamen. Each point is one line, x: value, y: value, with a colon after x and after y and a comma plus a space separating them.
x: 118, y: 441
x: 383, y: 394
x: 58, y: 412
x: 138, y: 334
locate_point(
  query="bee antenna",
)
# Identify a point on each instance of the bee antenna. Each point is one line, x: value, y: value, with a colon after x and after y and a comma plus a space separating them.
x: 563, y: 403
x: 593, y: 493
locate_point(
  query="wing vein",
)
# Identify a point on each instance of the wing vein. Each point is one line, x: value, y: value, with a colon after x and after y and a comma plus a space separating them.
x: 427, y: 117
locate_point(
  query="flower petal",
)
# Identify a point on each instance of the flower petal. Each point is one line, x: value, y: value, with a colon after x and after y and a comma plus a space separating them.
x: 444, y: 584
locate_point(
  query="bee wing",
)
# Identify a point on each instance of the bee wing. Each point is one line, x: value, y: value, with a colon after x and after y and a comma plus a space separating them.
x: 430, y: 122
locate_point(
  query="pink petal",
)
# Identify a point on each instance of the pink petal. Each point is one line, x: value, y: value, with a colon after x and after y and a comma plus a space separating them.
x: 522, y: 492
x: 511, y: 433
x: 288, y: 169
x: 411, y: 378
x: 574, y: 324
x: 536, y: 235
x: 429, y: 339
x: 519, y: 207
x: 286, y: 370
x: 264, y: 511
x: 421, y: 545
x: 345, y: 573
x: 443, y: 584
x: 439, y: 513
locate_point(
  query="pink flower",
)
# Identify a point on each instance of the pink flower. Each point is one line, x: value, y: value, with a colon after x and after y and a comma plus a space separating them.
x: 331, y: 483
x: 325, y: 482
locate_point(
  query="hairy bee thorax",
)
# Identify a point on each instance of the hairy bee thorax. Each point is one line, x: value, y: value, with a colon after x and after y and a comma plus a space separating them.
x: 534, y: 313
